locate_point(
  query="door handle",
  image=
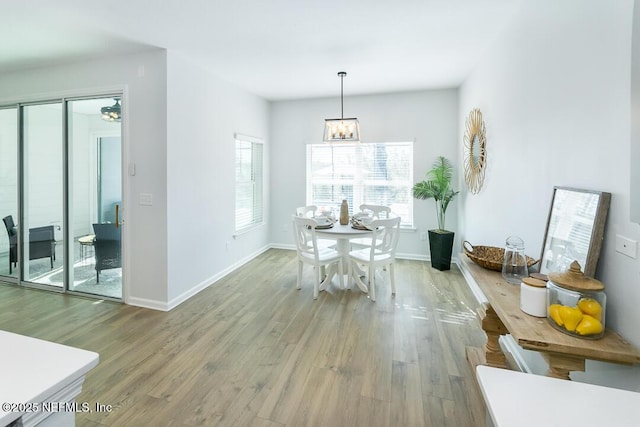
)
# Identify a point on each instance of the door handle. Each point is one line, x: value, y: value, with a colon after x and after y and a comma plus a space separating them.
x: 117, y: 214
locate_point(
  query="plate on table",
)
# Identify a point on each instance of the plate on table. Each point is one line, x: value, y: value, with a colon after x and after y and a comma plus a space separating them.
x: 323, y: 222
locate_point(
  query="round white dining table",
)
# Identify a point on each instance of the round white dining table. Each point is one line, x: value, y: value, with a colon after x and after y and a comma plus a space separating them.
x: 343, y: 234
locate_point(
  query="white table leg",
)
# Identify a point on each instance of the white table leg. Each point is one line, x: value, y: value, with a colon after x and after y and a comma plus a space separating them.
x: 343, y: 246
x: 358, y: 280
x: 327, y: 279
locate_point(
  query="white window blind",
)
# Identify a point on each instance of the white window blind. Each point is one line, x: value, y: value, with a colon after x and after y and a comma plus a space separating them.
x: 249, y: 182
x: 372, y: 173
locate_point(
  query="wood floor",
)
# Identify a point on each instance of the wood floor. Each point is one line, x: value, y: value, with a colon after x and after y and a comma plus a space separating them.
x: 251, y: 350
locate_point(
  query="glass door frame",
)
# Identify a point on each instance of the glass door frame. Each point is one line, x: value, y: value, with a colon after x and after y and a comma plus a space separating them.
x: 67, y: 247
x: 68, y: 213
x: 22, y: 240
x: 5, y: 278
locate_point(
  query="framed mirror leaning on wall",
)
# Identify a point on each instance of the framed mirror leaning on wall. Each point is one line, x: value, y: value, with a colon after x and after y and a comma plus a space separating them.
x: 575, y: 229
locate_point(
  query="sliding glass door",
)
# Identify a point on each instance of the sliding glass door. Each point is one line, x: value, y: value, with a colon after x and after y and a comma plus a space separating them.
x: 43, y: 193
x: 95, y: 198
x: 9, y: 191
x: 61, y: 195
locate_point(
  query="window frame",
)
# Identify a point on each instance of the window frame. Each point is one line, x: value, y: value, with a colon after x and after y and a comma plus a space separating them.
x: 359, y: 180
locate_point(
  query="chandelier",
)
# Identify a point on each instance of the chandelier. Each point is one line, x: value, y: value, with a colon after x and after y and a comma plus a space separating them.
x: 112, y: 113
x: 341, y: 130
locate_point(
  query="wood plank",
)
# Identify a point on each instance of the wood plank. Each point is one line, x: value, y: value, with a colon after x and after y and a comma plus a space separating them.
x: 377, y: 385
x: 373, y: 413
x: 406, y: 401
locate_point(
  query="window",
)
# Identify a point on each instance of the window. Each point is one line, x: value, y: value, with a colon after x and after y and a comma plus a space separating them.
x: 249, y: 206
x: 373, y: 173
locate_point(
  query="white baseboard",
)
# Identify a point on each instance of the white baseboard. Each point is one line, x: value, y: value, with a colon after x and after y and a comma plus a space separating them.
x: 213, y: 279
x: 290, y: 247
x: 510, y: 345
x: 147, y: 303
x: 167, y: 306
x: 475, y: 289
x: 413, y: 257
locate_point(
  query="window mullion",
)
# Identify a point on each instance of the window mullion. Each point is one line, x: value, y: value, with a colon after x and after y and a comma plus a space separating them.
x: 358, y: 185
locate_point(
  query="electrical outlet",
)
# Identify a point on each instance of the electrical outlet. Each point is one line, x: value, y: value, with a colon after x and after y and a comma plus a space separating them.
x: 626, y: 246
x: 423, y: 236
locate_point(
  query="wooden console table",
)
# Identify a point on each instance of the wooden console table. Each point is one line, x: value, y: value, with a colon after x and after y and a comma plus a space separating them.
x: 563, y: 353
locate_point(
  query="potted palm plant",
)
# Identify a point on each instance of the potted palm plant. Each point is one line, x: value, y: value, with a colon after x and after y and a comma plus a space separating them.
x: 437, y: 186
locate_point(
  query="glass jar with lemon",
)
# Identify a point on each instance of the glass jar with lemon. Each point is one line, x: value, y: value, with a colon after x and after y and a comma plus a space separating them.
x: 576, y: 303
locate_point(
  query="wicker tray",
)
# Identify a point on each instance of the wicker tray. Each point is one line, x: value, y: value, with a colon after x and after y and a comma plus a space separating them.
x: 489, y: 257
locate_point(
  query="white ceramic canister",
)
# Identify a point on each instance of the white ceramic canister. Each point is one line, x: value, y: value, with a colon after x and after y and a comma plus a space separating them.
x: 533, y: 297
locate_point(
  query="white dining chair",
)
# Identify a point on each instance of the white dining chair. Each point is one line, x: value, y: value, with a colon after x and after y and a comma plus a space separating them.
x: 373, y: 212
x: 306, y: 211
x: 310, y: 211
x: 378, y: 211
x: 310, y: 253
x: 387, y: 232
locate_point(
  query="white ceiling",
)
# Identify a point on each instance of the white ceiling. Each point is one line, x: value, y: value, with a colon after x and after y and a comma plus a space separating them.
x: 278, y: 49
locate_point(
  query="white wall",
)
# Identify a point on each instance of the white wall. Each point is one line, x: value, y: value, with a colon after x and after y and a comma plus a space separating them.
x: 635, y: 114
x: 204, y: 112
x: 143, y: 78
x: 427, y: 117
x: 184, y: 157
x: 555, y: 94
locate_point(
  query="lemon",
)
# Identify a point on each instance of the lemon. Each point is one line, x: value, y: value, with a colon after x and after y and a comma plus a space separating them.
x: 570, y: 316
x: 554, y: 313
x: 589, y: 326
x: 591, y: 307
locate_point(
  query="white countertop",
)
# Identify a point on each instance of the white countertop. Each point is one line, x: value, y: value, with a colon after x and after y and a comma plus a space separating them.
x: 34, y: 369
x: 519, y: 399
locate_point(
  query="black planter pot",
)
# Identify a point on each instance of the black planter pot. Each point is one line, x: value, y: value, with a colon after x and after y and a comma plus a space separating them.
x: 441, y: 247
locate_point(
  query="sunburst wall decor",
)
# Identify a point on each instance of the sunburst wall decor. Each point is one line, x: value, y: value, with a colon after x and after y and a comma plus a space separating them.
x: 475, y: 151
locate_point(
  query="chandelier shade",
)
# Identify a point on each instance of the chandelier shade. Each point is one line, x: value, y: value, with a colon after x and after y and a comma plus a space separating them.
x: 341, y: 130
x: 112, y: 113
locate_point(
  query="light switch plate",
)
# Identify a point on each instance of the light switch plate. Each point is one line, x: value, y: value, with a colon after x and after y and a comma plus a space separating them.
x: 146, y: 199
x: 626, y: 246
